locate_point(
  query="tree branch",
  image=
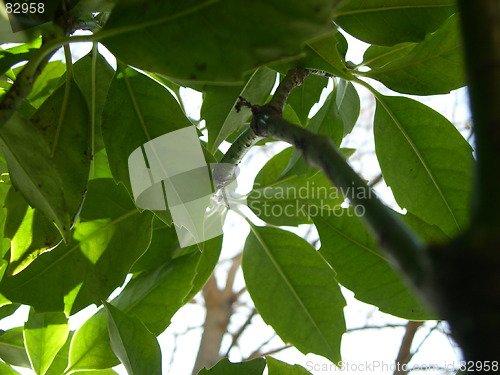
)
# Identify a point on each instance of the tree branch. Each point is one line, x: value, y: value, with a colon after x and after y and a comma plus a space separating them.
x: 480, y: 22
x: 404, y: 354
x: 394, y: 237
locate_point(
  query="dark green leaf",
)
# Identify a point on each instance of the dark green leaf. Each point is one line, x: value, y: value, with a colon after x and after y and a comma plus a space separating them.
x: 164, y: 245
x: 137, y: 110
x: 306, y: 95
x: 31, y: 232
x: 295, y: 291
x: 433, y: 66
x: 328, y: 54
x: 426, y: 162
x: 12, y: 348
x: 348, y: 104
x: 44, y: 335
x: 7, y: 370
x: 48, y: 156
x: 220, y: 39
x: 93, y: 75
x: 276, y: 367
x: 4, y: 189
x: 46, y: 83
x: 224, y: 367
x: 8, y: 310
x: 325, y: 53
x: 428, y: 233
x: 14, y: 55
x: 388, y: 23
x: 351, y: 250
x: 218, y: 109
x: 133, y: 344
x: 110, y: 237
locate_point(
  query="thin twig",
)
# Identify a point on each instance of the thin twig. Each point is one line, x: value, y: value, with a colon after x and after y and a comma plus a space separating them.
x: 240, y: 331
x: 404, y: 354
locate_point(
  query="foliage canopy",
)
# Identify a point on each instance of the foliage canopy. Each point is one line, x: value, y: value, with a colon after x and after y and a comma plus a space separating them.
x: 73, y: 233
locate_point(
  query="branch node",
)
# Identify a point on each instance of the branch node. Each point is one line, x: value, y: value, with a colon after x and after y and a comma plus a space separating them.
x: 242, y: 102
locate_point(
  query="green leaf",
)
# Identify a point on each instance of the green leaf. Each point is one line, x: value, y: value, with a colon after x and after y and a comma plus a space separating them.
x: 328, y: 53
x: 218, y: 108
x: 32, y: 233
x: 325, y: 53
x: 90, y: 347
x: 276, y: 367
x: 47, y: 82
x: 133, y: 344
x: 8, y: 309
x: 14, y: 55
x: 220, y: 40
x: 110, y: 237
x: 164, y: 245
x: 351, y: 250
x: 4, y: 189
x: 295, y: 291
x: 7, y: 370
x: 205, y: 267
x: 302, y: 98
x: 137, y: 110
x: 388, y: 23
x: 428, y: 233
x: 433, y: 66
x: 335, y: 119
x: 60, y: 361
x: 426, y: 162
x: 348, y: 104
x: 93, y: 75
x: 48, y: 156
x: 153, y: 297
x: 12, y: 348
x: 224, y: 367
x: 290, y: 200
x: 44, y: 335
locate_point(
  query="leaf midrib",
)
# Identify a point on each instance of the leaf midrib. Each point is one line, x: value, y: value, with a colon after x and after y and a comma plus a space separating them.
x: 391, y: 8
x: 33, y: 184
x: 419, y: 156
x: 388, y: 67
x: 352, y: 240
x: 290, y: 286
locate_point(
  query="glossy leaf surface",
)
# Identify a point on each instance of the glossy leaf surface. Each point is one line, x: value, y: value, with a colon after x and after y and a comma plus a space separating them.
x: 426, y: 162
x: 353, y: 253
x: 133, y: 344
x: 281, y: 269
x: 48, y: 155
x: 388, y: 23
x: 221, y: 39
x: 44, y: 335
x: 433, y: 66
